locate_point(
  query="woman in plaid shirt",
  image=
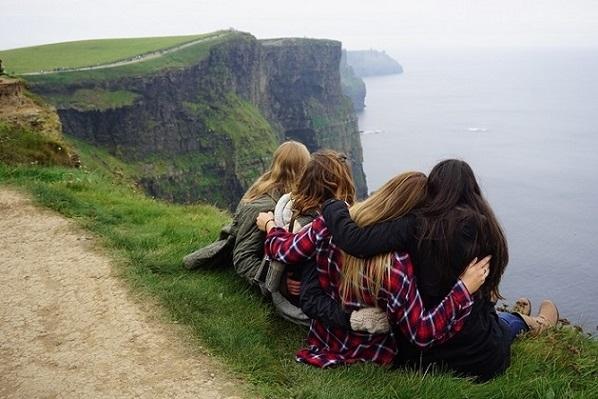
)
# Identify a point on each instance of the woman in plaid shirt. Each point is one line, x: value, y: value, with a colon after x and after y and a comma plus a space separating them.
x: 386, y: 281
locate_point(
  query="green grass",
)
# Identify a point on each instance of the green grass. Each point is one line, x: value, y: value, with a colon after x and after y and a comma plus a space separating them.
x: 85, y: 52
x: 22, y: 146
x: 252, y: 136
x: 186, y: 177
x: 94, y: 99
x: 174, y: 60
x: 197, y: 181
x: 151, y: 237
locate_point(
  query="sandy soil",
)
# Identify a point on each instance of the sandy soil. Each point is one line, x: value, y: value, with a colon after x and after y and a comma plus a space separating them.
x: 69, y: 327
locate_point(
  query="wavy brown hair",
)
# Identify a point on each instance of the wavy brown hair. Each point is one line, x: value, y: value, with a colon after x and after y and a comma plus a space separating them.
x: 288, y: 163
x: 394, y: 199
x: 326, y: 176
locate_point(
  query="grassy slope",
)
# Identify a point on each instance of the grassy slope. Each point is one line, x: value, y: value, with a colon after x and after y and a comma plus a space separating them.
x: 94, y: 99
x: 253, y: 142
x: 22, y: 146
x: 85, y: 53
x: 151, y: 237
x: 251, y: 134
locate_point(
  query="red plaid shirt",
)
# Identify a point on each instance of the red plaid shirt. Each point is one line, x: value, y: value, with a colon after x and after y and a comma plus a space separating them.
x: 398, y: 295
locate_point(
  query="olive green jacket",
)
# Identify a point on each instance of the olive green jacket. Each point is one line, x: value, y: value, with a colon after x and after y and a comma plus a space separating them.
x: 248, y: 252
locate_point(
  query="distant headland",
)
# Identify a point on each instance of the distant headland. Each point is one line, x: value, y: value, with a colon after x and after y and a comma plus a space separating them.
x: 362, y: 63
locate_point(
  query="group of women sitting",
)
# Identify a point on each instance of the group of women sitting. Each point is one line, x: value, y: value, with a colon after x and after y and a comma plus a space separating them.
x: 410, y: 276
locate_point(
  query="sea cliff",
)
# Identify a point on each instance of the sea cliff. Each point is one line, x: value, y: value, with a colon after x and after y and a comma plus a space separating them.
x: 205, y: 130
x: 372, y: 63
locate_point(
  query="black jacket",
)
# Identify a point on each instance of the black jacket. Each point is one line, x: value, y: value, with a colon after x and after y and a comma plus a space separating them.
x: 317, y: 304
x: 481, y: 348
x: 313, y: 300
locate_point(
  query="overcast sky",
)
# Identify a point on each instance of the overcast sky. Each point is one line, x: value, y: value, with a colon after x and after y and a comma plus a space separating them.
x: 392, y: 24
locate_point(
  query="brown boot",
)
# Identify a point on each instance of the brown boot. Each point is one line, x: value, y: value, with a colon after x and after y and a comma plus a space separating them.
x: 523, y: 306
x: 546, y: 318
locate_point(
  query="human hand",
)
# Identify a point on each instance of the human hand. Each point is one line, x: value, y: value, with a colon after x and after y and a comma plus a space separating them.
x: 293, y: 286
x: 474, y: 276
x: 372, y: 320
x: 265, y: 220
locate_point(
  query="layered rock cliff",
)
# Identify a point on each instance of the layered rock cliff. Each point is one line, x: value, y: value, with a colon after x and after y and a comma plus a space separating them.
x: 206, y: 131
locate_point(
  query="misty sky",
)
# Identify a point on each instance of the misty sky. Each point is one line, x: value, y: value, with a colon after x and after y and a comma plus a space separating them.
x: 382, y: 24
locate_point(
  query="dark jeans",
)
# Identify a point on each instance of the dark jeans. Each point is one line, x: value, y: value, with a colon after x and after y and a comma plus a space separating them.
x: 512, y: 324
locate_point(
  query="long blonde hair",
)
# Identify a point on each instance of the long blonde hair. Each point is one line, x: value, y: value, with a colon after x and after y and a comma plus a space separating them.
x: 288, y: 163
x: 394, y: 199
x: 326, y: 176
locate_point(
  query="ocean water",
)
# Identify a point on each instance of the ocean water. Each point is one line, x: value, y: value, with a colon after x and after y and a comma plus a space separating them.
x: 527, y: 122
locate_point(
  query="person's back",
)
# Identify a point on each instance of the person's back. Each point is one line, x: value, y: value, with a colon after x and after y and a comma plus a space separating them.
x: 289, y: 161
x: 480, y: 348
x: 248, y: 252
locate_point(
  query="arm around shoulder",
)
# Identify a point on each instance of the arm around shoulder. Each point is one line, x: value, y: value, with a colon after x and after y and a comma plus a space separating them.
x: 363, y: 242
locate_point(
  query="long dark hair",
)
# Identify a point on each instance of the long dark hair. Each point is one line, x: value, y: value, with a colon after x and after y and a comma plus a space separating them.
x: 456, y: 218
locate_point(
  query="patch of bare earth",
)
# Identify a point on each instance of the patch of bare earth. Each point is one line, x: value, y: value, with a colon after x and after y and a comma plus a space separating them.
x: 69, y: 327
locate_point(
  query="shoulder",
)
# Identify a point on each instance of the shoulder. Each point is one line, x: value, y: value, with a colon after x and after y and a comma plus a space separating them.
x: 307, y: 218
x: 247, y: 212
x: 284, y: 201
x: 263, y: 203
x: 283, y: 210
x: 469, y: 222
x: 318, y: 228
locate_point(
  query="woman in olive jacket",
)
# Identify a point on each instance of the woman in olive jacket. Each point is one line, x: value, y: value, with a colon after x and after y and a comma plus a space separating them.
x: 288, y: 164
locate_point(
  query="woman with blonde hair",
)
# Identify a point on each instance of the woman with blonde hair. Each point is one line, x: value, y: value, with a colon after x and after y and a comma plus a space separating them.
x: 288, y: 164
x: 386, y: 281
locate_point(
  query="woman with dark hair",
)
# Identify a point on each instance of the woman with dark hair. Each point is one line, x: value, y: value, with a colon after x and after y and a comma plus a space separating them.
x: 454, y: 224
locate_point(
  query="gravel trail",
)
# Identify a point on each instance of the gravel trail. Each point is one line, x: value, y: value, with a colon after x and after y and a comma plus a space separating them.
x: 70, y: 328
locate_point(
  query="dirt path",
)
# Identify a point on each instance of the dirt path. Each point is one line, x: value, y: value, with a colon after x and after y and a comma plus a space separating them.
x: 69, y: 327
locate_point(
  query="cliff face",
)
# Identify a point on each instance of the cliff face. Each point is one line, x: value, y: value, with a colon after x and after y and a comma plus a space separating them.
x: 205, y: 132
x: 352, y: 85
x: 303, y: 97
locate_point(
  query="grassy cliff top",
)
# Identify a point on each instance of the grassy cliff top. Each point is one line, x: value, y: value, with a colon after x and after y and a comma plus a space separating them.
x: 107, y: 59
x: 298, y: 41
x: 87, y: 52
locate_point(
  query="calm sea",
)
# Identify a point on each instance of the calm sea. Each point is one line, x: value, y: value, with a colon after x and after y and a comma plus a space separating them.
x: 527, y: 122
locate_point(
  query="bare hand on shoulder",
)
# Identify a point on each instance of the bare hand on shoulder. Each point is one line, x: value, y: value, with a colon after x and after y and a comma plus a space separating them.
x: 265, y: 221
x: 474, y: 276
